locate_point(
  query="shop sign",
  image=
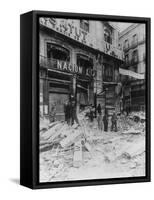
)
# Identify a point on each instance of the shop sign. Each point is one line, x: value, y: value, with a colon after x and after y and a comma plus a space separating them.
x: 68, y: 28
x: 72, y: 30
x: 72, y: 68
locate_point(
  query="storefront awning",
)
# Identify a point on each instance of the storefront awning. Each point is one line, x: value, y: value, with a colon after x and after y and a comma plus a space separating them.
x: 131, y: 73
x: 109, y: 83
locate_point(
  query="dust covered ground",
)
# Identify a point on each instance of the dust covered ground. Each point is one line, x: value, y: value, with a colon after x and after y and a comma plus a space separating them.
x: 84, y: 152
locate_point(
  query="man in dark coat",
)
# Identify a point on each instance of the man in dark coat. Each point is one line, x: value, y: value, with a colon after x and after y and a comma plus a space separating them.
x: 91, y: 114
x: 73, y: 113
x: 67, y: 111
x: 105, y: 121
x: 114, y: 122
x: 52, y: 113
x: 99, y: 110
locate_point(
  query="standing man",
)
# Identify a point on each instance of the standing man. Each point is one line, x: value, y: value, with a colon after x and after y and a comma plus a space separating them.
x: 99, y: 110
x: 53, y: 113
x: 67, y: 111
x: 73, y: 114
x: 91, y: 114
x: 105, y: 121
x: 114, y: 122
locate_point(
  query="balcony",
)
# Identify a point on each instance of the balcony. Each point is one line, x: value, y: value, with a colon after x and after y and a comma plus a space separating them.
x: 111, y: 50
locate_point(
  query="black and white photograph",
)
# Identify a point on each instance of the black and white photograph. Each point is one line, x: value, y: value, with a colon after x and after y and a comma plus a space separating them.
x: 92, y: 99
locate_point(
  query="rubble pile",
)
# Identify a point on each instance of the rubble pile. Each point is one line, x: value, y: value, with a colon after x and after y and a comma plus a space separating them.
x: 133, y: 123
x: 67, y: 152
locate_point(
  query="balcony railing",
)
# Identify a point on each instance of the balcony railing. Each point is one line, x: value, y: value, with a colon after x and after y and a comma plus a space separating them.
x: 112, y: 51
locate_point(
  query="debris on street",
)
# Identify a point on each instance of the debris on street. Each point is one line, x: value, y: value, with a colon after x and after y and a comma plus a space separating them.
x: 82, y: 151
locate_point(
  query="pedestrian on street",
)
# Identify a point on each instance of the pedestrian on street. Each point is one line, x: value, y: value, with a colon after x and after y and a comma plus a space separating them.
x: 52, y: 114
x: 105, y: 121
x: 73, y: 113
x: 91, y: 115
x: 114, y: 122
x: 99, y: 110
x: 67, y: 111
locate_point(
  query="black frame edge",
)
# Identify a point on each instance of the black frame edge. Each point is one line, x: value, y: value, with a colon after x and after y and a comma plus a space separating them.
x: 25, y: 99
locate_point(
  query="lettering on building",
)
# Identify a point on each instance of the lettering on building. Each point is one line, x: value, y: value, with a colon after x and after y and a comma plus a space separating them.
x: 72, y: 68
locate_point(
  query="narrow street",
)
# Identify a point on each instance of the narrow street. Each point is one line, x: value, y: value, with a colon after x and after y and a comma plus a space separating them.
x: 84, y: 152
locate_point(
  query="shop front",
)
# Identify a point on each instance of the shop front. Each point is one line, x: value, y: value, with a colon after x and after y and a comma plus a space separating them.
x: 67, y: 75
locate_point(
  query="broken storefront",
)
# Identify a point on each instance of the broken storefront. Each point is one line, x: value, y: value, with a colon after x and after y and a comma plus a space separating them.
x: 64, y: 71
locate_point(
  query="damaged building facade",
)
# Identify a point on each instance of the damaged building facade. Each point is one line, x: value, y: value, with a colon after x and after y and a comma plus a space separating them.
x: 80, y: 59
x: 132, y: 42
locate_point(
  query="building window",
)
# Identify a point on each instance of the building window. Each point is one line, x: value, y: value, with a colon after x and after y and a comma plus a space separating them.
x: 57, y: 52
x: 134, y: 39
x: 135, y: 56
x: 85, y: 62
x: 84, y: 24
x: 126, y: 44
x: 108, y: 73
x: 107, y: 35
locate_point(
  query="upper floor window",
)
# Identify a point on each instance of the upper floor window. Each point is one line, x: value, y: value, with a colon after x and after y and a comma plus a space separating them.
x: 126, y: 44
x: 108, y: 72
x: 135, y: 56
x: 84, y: 24
x: 107, y: 35
x: 134, y: 39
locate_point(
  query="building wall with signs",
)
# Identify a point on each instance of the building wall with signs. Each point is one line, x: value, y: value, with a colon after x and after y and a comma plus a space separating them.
x: 88, y: 49
x: 59, y: 72
x: 91, y: 33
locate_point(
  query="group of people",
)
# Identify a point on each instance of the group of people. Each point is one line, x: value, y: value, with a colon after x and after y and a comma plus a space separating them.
x: 70, y: 113
x: 104, y: 120
x: 71, y: 116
